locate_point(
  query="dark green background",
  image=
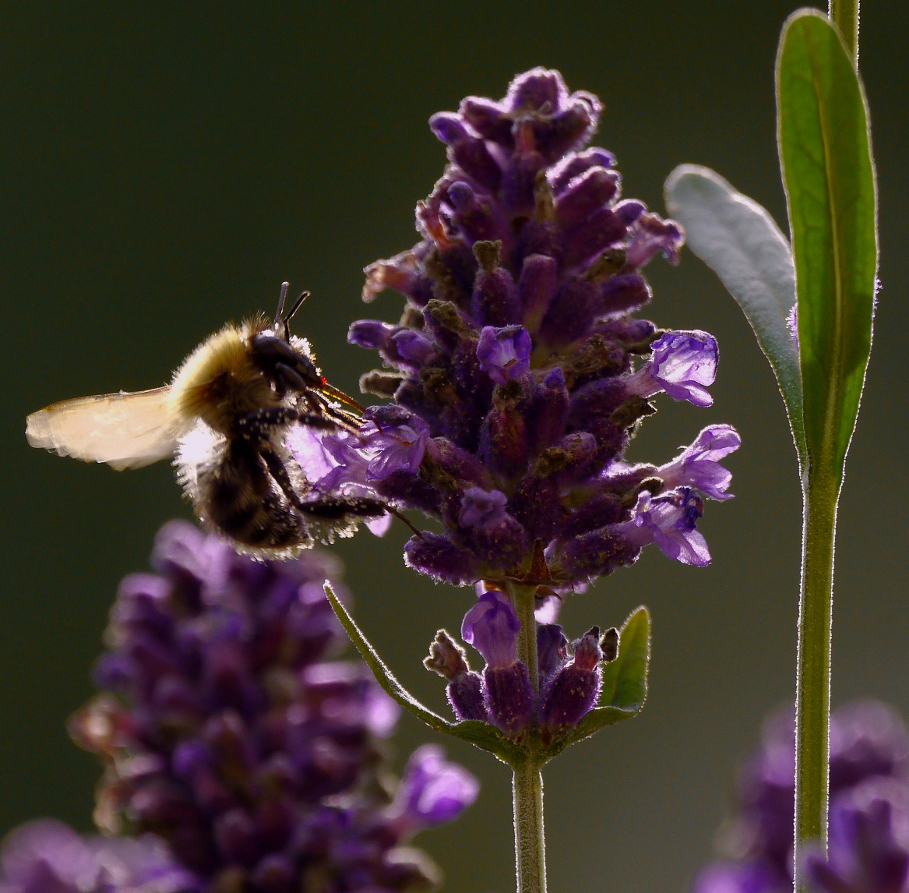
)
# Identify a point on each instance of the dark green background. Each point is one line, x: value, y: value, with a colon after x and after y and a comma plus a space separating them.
x: 166, y: 165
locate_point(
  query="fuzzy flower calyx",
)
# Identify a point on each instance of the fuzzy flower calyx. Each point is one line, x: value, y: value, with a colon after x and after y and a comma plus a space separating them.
x: 570, y: 674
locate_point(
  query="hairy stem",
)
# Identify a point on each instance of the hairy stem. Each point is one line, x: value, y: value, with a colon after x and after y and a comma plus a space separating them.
x: 812, y: 767
x: 845, y: 15
x: 524, y: 600
x: 529, y: 839
x: 527, y: 782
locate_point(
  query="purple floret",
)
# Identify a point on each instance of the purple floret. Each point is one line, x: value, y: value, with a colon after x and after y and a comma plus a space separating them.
x: 682, y: 364
x: 492, y: 627
x: 699, y: 467
x: 432, y: 790
x: 504, y: 353
x: 482, y: 509
x: 669, y: 521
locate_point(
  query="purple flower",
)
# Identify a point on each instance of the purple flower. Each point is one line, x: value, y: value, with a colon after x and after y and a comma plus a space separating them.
x: 232, y: 733
x: 699, y: 467
x: 46, y: 856
x: 359, y: 463
x: 504, y: 353
x: 492, y: 627
x: 869, y: 810
x: 517, y: 349
x: 869, y: 841
x: 432, y: 790
x: 398, y: 448
x: 669, y: 521
x: 482, y: 509
x: 682, y: 363
x: 574, y: 689
x: 651, y: 235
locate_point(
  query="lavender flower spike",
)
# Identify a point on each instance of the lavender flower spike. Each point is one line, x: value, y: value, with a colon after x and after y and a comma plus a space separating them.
x: 519, y: 351
x: 868, y: 849
x: 869, y: 842
x: 229, y: 730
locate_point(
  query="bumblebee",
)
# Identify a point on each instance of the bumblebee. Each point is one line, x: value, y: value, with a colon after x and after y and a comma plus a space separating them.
x: 224, y: 419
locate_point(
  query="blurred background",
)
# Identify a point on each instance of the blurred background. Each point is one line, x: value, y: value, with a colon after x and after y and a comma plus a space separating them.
x: 165, y: 166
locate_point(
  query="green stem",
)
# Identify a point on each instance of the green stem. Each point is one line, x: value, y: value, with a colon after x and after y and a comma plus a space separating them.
x: 529, y: 839
x: 524, y: 600
x: 527, y: 782
x: 845, y: 15
x: 812, y: 768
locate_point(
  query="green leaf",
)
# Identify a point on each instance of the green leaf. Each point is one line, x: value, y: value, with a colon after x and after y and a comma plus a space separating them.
x: 481, y: 734
x: 741, y: 243
x: 825, y: 153
x: 625, y: 678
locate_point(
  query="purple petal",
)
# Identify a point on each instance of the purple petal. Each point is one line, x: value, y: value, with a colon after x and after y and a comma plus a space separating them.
x: 434, y: 791
x: 483, y: 509
x: 492, y: 627
x: 504, y: 353
x: 699, y: 466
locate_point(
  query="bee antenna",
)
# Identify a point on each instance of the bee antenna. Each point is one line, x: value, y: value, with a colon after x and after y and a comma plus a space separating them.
x: 299, y: 302
x: 281, y: 299
x: 290, y: 314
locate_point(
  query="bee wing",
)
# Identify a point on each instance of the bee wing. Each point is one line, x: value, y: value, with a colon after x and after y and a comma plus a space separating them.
x: 123, y: 430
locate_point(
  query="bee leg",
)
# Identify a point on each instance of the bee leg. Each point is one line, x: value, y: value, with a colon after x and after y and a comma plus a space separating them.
x: 277, y: 470
x: 263, y: 421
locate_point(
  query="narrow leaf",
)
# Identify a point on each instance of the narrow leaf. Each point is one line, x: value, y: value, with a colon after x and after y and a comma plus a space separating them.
x: 741, y: 243
x: 383, y: 675
x: 625, y: 678
x: 597, y: 719
x: 481, y: 734
x: 825, y: 152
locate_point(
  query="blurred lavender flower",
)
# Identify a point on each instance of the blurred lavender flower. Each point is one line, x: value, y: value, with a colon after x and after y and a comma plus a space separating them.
x: 869, y: 810
x: 869, y: 841
x: 513, y: 366
x: 46, y: 856
x: 228, y: 731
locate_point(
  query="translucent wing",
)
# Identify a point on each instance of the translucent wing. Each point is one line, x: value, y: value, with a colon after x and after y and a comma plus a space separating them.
x: 123, y: 430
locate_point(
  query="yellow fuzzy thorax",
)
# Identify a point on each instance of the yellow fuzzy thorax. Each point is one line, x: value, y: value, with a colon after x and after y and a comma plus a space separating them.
x: 217, y: 376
